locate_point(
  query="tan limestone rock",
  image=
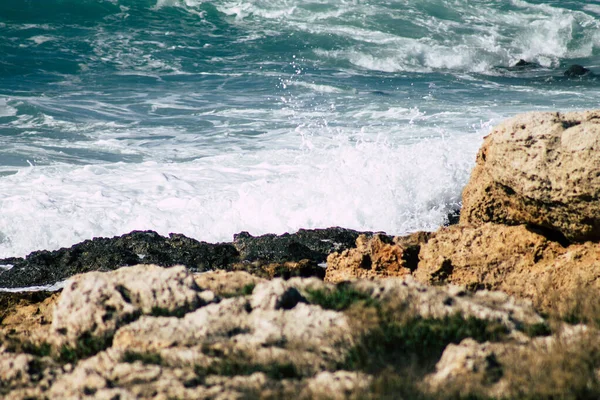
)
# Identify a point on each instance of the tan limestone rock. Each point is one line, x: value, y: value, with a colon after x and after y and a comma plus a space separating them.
x: 275, y: 315
x: 541, y: 169
x: 338, y: 385
x: 97, y: 303
x: 225, y: 282
x: 438, y: 302
x: 375, y: 257
x: 513, y: 259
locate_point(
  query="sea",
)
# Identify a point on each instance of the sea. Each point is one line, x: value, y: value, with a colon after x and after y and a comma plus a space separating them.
x: 211, y: 117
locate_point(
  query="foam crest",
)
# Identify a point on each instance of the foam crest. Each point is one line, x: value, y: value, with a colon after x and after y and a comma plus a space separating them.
x: 366, y: 185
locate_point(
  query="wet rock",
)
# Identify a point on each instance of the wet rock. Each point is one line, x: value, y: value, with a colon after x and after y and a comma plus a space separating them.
x: 105, y: 254
x: 524, y: 65
x: 313, y: 244
x: 576, y: 70
x: 96, y: 304
x: 376, y: 257
x: 286, y: 255
x: 539, y: 169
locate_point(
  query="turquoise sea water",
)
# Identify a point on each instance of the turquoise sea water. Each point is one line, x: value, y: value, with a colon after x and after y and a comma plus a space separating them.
x: 212, y: 117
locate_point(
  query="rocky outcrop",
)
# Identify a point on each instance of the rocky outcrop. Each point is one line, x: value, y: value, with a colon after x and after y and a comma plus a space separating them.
x: 269, y: 256
x: 96, y: 304
x: 172, y: 337
x: 539, y: 169
x: 576, y: 70
x: 541, y: 367
x: 513, y: 259
x: 376, y: 257
x: 310, y: 244
x: 105, y: 254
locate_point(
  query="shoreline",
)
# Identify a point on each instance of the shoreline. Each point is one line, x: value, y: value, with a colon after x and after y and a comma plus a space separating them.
x: 489, y: 307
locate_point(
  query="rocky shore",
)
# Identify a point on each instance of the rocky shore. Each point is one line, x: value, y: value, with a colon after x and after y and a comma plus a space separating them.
x: 502, y: 304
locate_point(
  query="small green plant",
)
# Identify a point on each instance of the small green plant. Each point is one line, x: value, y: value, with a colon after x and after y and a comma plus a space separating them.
x: 234, y: 365
x: 534, y: 330
x: 416, y: 341
x: 145, y: 358
x: 340, y: 298
x: 165, y: 312
x: 86, y: 346
x: 245, y: 290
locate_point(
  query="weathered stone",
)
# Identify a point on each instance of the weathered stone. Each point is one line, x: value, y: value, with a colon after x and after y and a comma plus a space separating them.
x: 540, y: 169
x: 514, y: 259
x: 310, y: 244
x: 23, y: 312
x: 276, y: 314
x: 439, y: 302
x: 105, y: 254
x: 498, y: 370
x: 376, y: 257
x: 338, y: 385
x: 96, y: 304
x: 226, y: 283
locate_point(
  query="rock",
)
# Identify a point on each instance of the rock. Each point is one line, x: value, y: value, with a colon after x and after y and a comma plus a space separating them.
x: 105, y: 254
x: 96, y: 304
x: 470, y: 366
x: 313, y: 244
x: 543, y: 367
x: 227, y: 284
x: 338, y: 385
x: 24, y: 312
x: 285, y: 255
x: 514, y: 259
x: 539, y: 169
x: 263, y: 326
x: 522, y: 64
x: 376, y: 257
x: 427, y: 302
x: 576, y: 70
x: 304, y: 269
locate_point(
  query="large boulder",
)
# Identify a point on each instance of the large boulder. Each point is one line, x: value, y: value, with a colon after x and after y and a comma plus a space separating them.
x: 540, y: 169
x: 515, y: 259
x: 96, y: 304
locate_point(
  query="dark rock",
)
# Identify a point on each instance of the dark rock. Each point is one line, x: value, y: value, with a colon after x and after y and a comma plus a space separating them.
x: 286, y: 256
x: 453, y: 217
x: 522, y: 64
x: 576, y: 70
x: 104, y: 254
x: 313, y: 244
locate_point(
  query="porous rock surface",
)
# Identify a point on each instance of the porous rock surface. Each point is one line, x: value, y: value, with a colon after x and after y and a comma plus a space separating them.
x: 490, y: 369
x: 268, y: 256
x: 275, y: 341
x: 540, y: 169
x: 376, y: 256
x: 96, y: 304
x: 513, y: 259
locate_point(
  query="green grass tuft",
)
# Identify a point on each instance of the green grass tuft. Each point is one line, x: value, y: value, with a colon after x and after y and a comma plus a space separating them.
x: 341, y: 298
x: 245, y: 290
x: 146, y: 358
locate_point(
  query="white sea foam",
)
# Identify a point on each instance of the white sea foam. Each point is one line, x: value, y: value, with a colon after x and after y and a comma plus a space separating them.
x: 50, y: 288
x: 361, y: 184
